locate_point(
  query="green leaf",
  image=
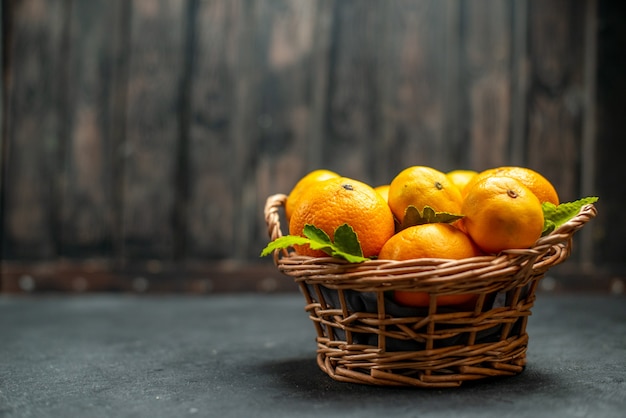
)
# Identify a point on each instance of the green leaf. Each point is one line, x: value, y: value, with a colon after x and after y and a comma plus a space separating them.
x: 548, y: 227
x: 412, y: 216
x: 318, y: 239
x: 346, y: 245
x: 554, y: 216
x: 283, y: 242
x: 316, y: 234
x: 347, y: 241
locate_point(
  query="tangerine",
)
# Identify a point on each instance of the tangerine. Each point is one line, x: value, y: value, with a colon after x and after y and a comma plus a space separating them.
x: 537, y: 183
x: 331, y: 203
x: 460, y: 178
x: 432, y: 240
x: 384, y: 191
x: 501, y: 213
x: 302, y: 184
x: 422, y: 186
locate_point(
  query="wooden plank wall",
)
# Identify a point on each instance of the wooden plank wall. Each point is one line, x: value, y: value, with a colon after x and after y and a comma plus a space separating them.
x: 141, y: 138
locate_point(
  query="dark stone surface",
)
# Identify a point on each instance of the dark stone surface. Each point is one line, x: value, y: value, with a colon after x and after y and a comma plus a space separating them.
x: 254, y: 356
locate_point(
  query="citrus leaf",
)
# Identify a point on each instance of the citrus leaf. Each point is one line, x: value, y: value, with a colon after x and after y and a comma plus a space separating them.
x: 318, y: 239
x: 548, y: 227
x: 351, y: 258
x: 347, y: 241
x: 346, y: 245
x: 555, y: 216
x: 283, y: 242
x: 316, y: 234
x: 412, y: 216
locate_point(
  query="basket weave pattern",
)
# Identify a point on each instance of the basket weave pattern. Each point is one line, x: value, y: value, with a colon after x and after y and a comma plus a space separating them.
x: 364, y: 337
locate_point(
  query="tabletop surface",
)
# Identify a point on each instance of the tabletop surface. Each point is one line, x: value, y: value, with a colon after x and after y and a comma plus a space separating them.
x: 246, y: 355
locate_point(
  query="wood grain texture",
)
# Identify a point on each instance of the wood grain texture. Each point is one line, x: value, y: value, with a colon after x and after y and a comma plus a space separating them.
x: 3, y: 141
x: 412, y: 94
x: 154, y: 130
x: 211, y: 209
x: 607, y: 240
x: 152, y: 126
x: 555, y: 93
x: 488, y: 74
x: 35, y: 64
x: 351, y: 119
x: 88, y: 162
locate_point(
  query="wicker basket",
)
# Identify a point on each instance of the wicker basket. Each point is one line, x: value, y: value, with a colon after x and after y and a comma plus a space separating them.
x: 364, y: 337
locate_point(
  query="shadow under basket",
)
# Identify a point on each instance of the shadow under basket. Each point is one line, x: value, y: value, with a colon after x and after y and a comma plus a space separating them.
x: 363, y: 336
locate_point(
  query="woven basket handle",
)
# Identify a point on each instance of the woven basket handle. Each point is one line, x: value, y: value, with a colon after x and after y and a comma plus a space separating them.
x: 272, y: 220
x: 272, y: 217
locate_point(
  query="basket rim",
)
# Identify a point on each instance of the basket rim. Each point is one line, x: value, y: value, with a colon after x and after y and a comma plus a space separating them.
x: 559, y: 235
x: 502, y: 271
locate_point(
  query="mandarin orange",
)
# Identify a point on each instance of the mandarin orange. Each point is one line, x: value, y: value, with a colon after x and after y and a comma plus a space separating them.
x: 302, y: 184
x: 331, y: 203
x: 433, y: 240
x: 537, y: 183
x: 460, y: 178
x: 383, y: 190
x: 422, y: 186
x: 501, y: 213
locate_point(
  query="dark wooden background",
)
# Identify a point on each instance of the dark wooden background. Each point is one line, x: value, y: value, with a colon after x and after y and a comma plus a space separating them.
x: 141, y: 138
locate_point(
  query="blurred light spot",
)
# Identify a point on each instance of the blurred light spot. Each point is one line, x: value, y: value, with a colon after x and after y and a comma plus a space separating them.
x: 268, y: 284
x: 80, y: 284
x: 265, y: 121
x: 154, y: 266
x: 140, y: 284
x: 26, y: 283
x: 548, y: 284
x: 202, y: 286
x: 617, y: 286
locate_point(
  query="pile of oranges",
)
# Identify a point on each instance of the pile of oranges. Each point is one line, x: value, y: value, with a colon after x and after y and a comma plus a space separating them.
x: 499, y: 208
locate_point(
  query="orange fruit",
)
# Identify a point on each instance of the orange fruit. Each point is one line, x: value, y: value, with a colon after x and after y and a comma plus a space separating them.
x: 433, y: 240
x: 460, y: 178
x: 383, y: 190
x: 302, y: 184
x: 501, y: 213
x: 421, y: 186
x: 538, y: 184
x: 331, y: 203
